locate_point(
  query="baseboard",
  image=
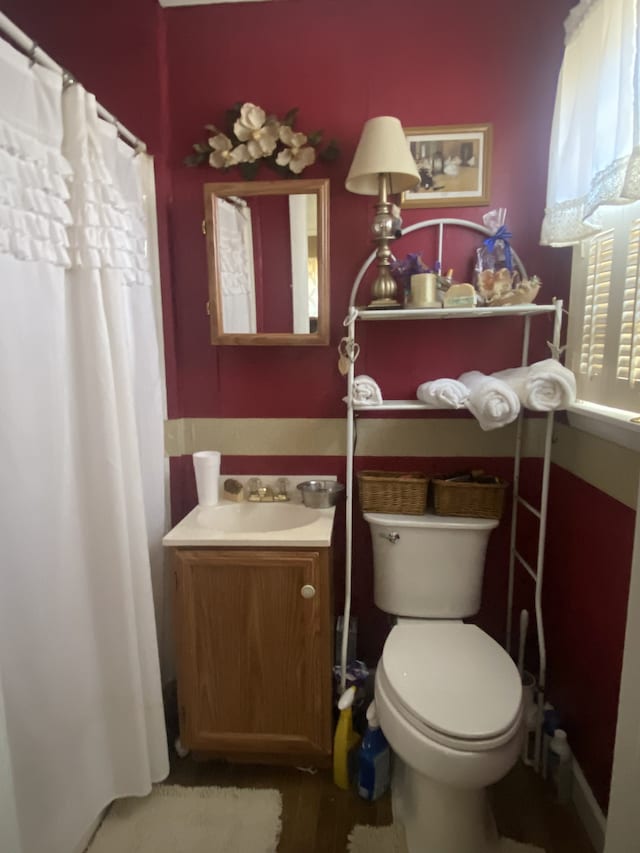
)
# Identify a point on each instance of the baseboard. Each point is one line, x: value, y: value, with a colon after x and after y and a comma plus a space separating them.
x: 589, y: 812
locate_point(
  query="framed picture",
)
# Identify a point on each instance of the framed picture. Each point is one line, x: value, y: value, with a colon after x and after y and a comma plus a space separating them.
x: 454, y: 165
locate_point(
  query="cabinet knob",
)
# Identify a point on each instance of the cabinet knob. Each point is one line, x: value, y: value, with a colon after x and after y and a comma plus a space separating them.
x: 307, y: 591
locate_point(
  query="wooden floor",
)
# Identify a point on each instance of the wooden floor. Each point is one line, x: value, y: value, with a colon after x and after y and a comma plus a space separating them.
x: 317, y: 816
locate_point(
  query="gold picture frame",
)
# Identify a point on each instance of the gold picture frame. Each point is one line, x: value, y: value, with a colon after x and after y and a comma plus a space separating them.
x: 454, y: 164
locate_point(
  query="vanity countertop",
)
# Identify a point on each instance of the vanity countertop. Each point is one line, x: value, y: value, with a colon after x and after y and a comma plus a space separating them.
x: 253, y: 524
x: 272, y: 525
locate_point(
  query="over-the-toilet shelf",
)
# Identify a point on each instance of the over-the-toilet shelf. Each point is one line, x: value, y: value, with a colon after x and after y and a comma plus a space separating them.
x: 436, y: 314
x: 452, y: 313
x: 349, y: 351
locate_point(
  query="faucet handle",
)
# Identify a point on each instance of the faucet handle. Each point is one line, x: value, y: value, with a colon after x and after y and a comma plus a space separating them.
x: 254, y: 484
x: 281, y: 494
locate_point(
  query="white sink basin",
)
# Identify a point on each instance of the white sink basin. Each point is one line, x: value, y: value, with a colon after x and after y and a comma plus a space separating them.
x: 254, y: 517
x: 283, y: 525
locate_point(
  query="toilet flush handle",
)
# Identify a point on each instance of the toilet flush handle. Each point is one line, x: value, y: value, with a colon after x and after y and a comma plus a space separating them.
x: 392, y: 537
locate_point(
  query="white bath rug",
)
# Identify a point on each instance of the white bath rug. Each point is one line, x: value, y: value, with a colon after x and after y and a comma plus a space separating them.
x: 376, y: 839
x: 389, y: 839
x: 174, y: 819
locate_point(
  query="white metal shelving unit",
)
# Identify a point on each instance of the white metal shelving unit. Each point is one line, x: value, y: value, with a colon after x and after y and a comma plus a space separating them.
x: 351, y: 350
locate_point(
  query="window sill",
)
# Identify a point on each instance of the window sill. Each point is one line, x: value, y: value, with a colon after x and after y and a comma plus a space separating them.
x: 606, y: 422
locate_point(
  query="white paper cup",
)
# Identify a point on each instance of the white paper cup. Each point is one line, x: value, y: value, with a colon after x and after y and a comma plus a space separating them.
x: 206, y: 464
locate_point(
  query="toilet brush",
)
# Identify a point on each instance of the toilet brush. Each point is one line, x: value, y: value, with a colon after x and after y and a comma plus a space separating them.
x: 528, y: 693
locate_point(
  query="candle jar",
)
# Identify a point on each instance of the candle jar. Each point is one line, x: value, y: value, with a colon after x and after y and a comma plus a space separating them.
x: 424, y: 291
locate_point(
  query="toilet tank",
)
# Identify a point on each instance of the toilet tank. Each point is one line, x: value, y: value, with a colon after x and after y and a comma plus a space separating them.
x: 429, y: 566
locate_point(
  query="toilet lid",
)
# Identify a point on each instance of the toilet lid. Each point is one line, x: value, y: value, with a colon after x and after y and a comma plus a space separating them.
x: 453, y: 678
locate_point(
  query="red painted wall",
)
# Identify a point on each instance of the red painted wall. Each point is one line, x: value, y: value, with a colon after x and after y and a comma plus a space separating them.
x: 453, y: 63
x: 585, y: 603
x: 167, y: 73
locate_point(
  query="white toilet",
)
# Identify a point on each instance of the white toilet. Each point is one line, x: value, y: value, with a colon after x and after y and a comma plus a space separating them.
x: 449, y: 697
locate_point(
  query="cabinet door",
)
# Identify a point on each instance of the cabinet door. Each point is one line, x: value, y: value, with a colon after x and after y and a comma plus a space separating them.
x: 254, y: 655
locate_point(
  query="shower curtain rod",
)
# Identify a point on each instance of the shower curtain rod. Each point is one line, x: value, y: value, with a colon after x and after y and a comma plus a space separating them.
x: 36, y: 54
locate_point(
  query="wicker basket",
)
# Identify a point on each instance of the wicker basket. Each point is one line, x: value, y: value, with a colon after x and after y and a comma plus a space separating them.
x: 471, y: 499
x: 393, y: 491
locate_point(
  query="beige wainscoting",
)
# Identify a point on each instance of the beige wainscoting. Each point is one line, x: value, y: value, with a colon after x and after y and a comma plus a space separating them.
x: 445, y: 437
x: 434, y: 437
x: 609, y: 467
x: 257, y: 436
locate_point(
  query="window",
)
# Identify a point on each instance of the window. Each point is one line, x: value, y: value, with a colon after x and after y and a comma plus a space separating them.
x: 628, y: 350
x: 593, y: 203
x: 604, y: 316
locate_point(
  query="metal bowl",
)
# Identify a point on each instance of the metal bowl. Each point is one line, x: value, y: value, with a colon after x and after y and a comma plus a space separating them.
x: 320, y: 494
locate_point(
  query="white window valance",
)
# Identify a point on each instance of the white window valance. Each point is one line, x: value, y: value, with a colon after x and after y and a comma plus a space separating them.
x: 594, y: 155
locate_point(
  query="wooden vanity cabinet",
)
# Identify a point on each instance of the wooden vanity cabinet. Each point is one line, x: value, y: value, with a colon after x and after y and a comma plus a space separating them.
x: 254, y: 655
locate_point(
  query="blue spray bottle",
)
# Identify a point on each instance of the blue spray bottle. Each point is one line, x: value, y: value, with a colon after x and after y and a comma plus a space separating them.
x: 374, y: 759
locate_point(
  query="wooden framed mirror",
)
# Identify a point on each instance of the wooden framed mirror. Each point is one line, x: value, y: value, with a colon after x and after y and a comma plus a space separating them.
x: 268, y: 257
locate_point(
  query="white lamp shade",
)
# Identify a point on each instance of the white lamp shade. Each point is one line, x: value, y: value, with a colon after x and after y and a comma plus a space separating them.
x: 383, y: 148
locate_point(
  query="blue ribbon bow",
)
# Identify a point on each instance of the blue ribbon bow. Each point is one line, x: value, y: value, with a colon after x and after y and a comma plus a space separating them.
x: 505, y: 235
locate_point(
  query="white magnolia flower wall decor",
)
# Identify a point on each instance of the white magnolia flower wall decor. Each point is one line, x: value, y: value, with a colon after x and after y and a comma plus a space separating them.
x: 223, y: 154
x: 254, y: 137
x: 259, y: 132
x: 297, y: 155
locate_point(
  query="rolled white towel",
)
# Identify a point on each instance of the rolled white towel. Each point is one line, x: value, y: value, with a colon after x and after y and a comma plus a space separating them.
x: 544, y: 386
x: 366, y: 391
x: 491, y: 400
x: 443, y: 394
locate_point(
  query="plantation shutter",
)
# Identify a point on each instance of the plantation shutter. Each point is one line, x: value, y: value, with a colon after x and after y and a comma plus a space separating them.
x: 596, y: 304
x: 628, y: 365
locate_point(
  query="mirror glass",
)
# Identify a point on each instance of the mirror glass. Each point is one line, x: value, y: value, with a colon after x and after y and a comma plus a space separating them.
x: 267, y: 247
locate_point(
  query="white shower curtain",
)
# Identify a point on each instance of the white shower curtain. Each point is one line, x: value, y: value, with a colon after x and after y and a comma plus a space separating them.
x: 80, y: 450
x: 237, y: 275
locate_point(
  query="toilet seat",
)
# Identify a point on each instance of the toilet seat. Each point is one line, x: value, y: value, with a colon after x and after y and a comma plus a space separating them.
x: 453, y: 683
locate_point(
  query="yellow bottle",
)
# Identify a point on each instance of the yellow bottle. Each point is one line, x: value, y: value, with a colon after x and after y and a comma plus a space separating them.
x: 345, y: 742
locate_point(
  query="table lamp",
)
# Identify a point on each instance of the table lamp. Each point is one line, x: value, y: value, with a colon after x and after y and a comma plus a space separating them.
x: 382, y: 165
